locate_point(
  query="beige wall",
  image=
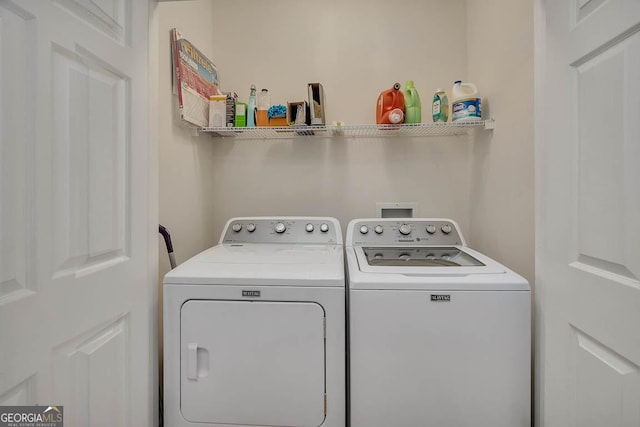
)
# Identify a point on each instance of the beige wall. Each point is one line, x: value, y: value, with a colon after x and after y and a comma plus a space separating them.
x: 356, y: 49
x: 500, y: 55
x: 186, y: 162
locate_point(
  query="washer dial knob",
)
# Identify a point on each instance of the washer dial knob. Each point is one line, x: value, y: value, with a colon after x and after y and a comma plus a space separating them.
x: 364, y: 229
x: 431, y: 228
x: 309, y: 227
x: 378, y: 229
x: 236, y: 227
x: 446, y: 229
x: 324, y: 227
x: 405, y: 229
x: 280, y: 228
x: 251, y: 227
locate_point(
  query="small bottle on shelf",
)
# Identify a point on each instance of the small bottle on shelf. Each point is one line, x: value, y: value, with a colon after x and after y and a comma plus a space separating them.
x: 251, y: 109
x: 440, y: 108
x: 264, y: 102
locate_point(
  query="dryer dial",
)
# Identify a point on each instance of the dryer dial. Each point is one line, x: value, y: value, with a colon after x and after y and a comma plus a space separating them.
x: 405, y: 229
x: 324, y: 227
x: 378, y: 229
x: 431, y: 228
x: 251, y: 227
x: 309, y: 228
x: 280, y: 228
x: 446, y: 229
x: 236, y: 227
x: 364, y: 229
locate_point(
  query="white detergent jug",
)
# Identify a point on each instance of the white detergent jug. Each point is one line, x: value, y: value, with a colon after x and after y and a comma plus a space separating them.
x: 465, y: 102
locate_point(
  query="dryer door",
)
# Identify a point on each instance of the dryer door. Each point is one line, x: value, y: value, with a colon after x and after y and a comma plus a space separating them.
x: 253, y: 363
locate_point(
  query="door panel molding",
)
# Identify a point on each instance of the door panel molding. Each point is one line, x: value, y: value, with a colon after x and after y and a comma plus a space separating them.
x: 109, y: 16
x: 607, y: 270
x: 607, y: 24
x: 16, y: 150
x: 584, y: 8
x: 595, y: 363
x: 607, y: 230
x: 97, y: 361
x: 21, y: 394
x: 91, y: 195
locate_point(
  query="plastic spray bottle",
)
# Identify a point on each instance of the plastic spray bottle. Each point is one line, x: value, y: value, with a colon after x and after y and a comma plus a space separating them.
x: 251, y: 109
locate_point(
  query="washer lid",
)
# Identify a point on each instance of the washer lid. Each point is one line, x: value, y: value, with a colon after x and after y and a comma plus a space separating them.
x: 489, y: 276
x: 425, y: 261
x: 419, y: 257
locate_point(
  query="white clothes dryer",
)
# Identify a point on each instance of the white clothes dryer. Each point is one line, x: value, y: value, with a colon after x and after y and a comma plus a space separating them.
x: 439, y: 334
x: 254, y: 328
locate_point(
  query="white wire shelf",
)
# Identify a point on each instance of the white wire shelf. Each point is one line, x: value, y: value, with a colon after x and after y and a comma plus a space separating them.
x: 350, y: 131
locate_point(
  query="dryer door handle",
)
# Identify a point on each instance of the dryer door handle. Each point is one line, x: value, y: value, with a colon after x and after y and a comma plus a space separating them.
x: 197, y: 362
x: 192, y: 361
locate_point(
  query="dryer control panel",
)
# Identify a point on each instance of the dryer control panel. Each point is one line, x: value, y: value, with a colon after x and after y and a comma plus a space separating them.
x: 404, y: 231
x: 291, y: 230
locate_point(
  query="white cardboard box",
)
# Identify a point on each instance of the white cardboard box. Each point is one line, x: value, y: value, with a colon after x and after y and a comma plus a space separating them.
x: 217, y: 111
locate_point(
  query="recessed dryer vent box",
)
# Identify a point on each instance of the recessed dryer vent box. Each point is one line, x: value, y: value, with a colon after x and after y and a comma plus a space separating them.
x: 397, y: 210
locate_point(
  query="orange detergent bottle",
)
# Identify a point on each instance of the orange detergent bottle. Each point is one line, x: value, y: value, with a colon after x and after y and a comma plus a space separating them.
x: 390, y: 107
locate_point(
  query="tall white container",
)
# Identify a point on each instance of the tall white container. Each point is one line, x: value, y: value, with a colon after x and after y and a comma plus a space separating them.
x: 466, y: 103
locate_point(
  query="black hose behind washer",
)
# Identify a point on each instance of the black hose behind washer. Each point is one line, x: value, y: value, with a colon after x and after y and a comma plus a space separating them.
x: 168, y: 244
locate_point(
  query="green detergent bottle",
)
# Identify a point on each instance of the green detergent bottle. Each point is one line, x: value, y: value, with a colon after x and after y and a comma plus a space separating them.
x: 412, y: 107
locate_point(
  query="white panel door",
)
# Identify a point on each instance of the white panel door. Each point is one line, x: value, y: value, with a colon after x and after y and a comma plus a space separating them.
x: 588, y: 250
x: 76, y: 285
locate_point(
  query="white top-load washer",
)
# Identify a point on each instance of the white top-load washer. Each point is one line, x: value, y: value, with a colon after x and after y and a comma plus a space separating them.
x: 254, y: 328
x: 439, y: 334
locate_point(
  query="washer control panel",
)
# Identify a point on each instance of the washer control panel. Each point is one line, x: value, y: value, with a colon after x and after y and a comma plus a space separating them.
x: 405, y: 231
x: 303, y: 230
